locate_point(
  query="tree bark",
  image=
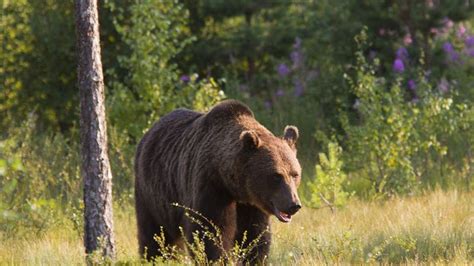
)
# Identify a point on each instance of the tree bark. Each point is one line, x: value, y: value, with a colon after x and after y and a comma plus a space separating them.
x: 96, y: 173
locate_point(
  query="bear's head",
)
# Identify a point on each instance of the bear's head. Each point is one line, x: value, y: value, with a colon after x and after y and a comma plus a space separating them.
x: 271, y: 172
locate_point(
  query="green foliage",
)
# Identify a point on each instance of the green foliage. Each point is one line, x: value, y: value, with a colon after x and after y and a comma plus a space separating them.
x: 327, y: 187
x: 8, y: 165
x: 200, y: 95
x: 397, y: 143
x: 38, y: 69
x: 238, y: 38
x: 40, y: 178
x: 379, y: 144
x: 154, y: 34
x: 41, y: 174
x: 15, y: 40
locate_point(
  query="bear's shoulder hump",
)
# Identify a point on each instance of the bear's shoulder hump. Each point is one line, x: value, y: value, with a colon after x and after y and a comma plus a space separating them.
x: 229, y: 109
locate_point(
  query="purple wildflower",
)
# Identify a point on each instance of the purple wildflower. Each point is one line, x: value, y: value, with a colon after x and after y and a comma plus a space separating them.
x: 469, y: 42
x: 428, y: 73
x: 454, y: 56
x: 411, y: 85
x: 297, y: 55
x: 448, y: 47
x: 448, y: 23
x: 296, y: 58
x: 299, y: 88
x: 283, y: 70
x: 415, y: 99
x: 297, y: 44
x: 398, y: 66
x: 443, y: 86
x: 469, y: 52
x: 185, y: 78
x: 402, y: 53
x: 372, y: 54
x: 280, y: 93
x: 267, y: 104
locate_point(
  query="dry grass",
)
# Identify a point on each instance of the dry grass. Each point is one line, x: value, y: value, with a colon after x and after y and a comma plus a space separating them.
x: 434, y: 228
x: 437, y: 228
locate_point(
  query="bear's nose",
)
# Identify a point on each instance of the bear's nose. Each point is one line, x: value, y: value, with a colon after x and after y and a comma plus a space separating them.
x: 293, y: 209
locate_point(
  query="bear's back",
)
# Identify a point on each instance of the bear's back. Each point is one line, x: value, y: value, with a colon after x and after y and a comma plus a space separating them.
x: 227, y: 110
x: 177, y: 145
x: 161, y: 139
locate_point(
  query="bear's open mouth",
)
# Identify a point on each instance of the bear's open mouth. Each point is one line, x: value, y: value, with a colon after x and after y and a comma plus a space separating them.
x: 282, y: 216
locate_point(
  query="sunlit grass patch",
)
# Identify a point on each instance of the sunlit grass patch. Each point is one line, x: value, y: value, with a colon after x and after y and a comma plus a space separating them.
x: 433, y: 228
x: 437, y: 227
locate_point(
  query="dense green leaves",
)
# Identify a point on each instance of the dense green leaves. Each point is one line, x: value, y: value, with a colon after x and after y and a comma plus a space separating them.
x: 154, y: 34
x: 327, y: 187
x: 399, y: 144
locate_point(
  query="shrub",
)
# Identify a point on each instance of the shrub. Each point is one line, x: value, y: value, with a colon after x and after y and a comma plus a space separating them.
x: 38, y: 175
x: 327, y: 187
x: 154, y: 34
x: 403, y: 137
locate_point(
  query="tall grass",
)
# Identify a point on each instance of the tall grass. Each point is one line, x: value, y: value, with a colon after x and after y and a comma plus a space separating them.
x: 437, y: 227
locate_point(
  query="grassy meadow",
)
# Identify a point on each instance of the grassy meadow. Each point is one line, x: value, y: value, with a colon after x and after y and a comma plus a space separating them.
x: 435, y: 228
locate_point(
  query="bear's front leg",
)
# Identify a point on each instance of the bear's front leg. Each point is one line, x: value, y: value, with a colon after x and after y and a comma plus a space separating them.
x: 256, y: 225
x: 217, y: 207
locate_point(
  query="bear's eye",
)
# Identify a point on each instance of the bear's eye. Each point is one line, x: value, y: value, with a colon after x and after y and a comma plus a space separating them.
x: 294, y: 175
x: 277, y: 178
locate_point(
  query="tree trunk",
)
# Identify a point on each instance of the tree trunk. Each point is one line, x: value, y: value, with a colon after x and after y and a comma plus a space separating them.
x: 98, y: 224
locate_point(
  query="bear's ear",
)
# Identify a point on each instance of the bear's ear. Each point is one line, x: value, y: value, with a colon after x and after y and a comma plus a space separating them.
x: 291, y: 135
x: 250, y: 140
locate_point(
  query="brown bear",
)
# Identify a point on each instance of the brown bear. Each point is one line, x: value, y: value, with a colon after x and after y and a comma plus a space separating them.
x: 222, y: 164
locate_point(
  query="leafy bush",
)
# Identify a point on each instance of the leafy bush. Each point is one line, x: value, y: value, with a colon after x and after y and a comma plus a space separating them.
x: 327, y: 187
x: 41, y: 174
x: 401, y: 137
x: 154, y: 34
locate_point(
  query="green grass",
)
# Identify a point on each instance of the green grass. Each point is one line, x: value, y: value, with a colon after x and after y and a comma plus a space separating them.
x: 433, y: 228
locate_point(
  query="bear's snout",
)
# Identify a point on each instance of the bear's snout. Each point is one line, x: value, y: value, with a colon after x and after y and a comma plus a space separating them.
x: 293, y: 209
x: 284, y: 214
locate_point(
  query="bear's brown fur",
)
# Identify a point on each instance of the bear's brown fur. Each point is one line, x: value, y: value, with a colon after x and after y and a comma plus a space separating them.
x: 222, y: 164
